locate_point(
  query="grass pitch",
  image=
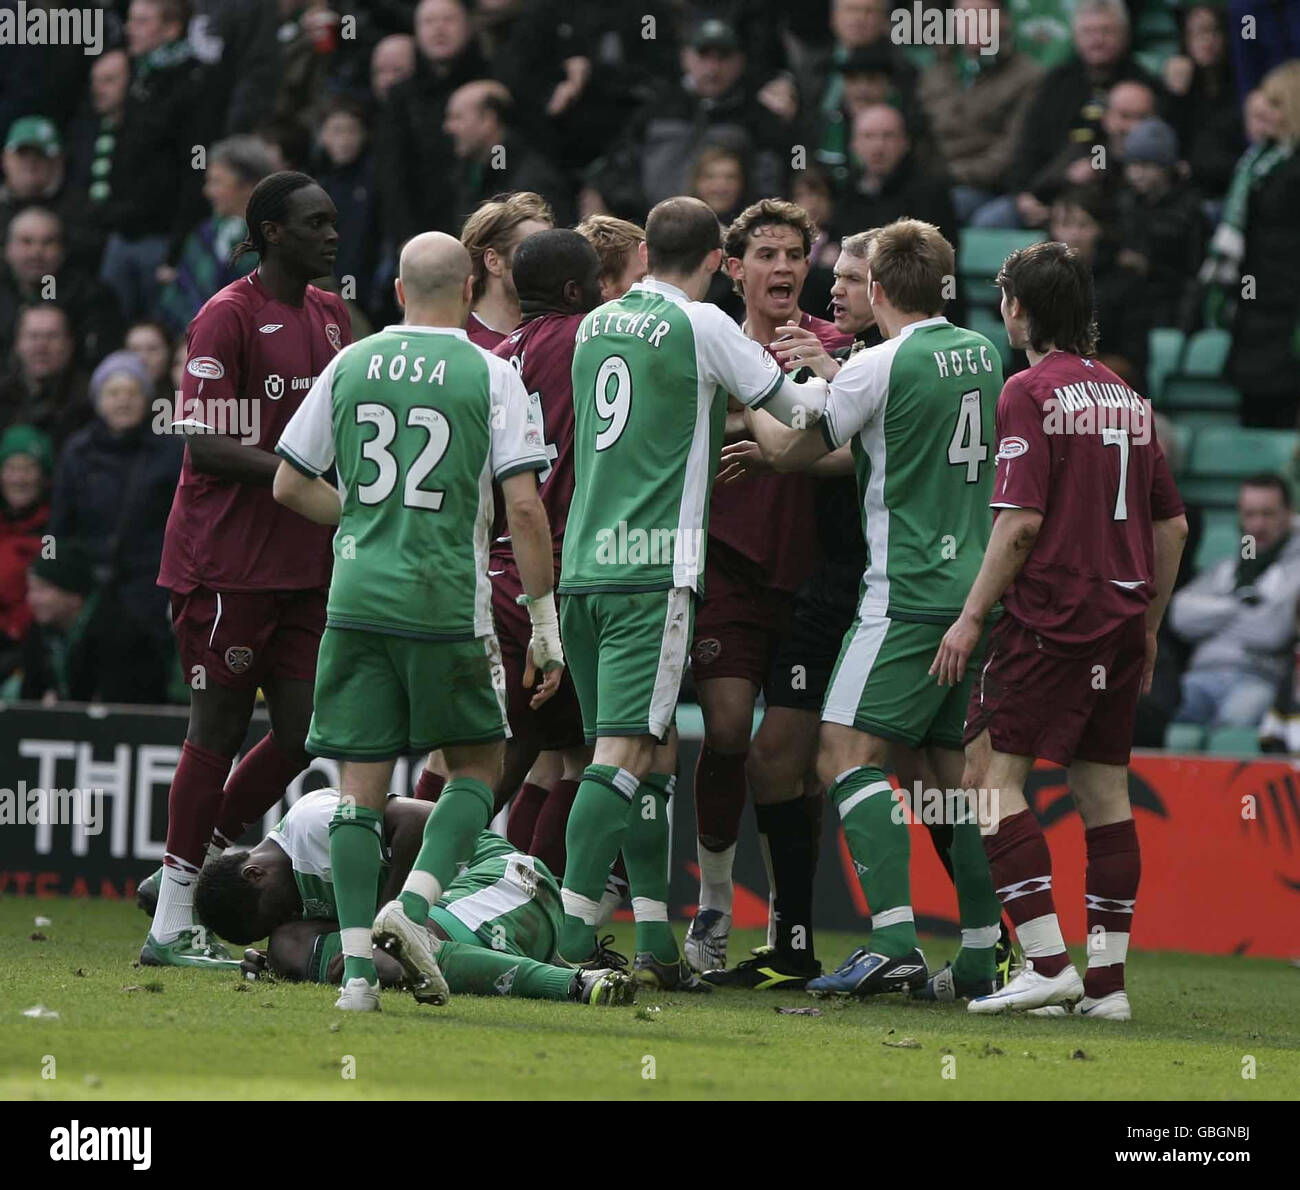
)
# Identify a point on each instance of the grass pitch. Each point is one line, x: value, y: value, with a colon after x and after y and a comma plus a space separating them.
x: 124, y: 1032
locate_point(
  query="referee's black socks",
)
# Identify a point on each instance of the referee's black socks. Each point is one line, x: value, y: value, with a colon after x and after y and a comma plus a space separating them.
x: 792, y: 846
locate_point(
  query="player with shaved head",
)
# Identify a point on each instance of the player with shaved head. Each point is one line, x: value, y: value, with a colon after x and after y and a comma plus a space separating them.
x: 418, y: 421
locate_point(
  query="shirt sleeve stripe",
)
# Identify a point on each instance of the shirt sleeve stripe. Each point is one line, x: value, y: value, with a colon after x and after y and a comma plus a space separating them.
x: 762, y: 399
x: 298, y: 464
x: 521, y: 465
x: 828, y: 434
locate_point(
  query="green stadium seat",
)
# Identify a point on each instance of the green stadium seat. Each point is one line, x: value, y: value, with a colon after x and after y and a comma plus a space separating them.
x: 980, y: 255
x: 989, y: 324
x: 1195, y: 420
x: 1220, y: 538
x: 1184, y: 737
x: 1207, y: 353
x: 1233, y: 741
x: 1224, y: 455
x: 1181, y: 391
x: 1183, y: 434
x: 1164, y: 349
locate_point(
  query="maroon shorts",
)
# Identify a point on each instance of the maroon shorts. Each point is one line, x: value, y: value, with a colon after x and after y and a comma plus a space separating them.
x: 1059, y: 702
x: 241, y: 638
x: 739, y: 621
x: 557, y: 723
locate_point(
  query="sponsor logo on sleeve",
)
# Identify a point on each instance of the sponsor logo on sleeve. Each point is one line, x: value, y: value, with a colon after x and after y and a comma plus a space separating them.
x: 1012, y: 447
x: 205, y: 367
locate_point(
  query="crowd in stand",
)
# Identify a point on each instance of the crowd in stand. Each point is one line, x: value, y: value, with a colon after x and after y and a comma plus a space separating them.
x: 1156, y: 137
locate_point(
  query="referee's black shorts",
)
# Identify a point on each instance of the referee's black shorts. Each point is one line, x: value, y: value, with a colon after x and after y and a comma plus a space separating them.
x: 805, y: 656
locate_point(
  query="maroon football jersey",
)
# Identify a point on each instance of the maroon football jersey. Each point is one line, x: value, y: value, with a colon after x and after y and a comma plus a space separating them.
x: 1077, y: 444
x: 481, y: 334
x: 244, y: 346
x: 770, y: 518
x: 541, y: 350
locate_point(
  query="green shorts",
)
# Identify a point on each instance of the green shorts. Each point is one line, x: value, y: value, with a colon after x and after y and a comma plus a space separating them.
x: 511, y: 904
x: 881, y: 684
x: 626, y: 652
x: 381, y: 696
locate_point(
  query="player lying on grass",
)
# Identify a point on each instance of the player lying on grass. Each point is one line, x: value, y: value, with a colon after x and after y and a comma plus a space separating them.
x: 493, y: 930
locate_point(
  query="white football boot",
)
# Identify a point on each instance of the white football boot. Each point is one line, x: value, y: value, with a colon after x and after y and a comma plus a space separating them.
x: 1112, y: 1007
x: 358, y: 995
x: 415, y: 949
x: 1030, y: 990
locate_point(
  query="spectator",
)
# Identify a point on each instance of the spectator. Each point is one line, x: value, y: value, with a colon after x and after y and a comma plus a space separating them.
x: 1257, y: 243
x: 1042, y: 29
x: 491, y: 235
x: 237, y: 38
x: 35, y: 269
x: 1162, y: 232
x: 718, y: 177
x: 26, y: 463
x: 113, y: 491
x: 1240, y: 616
x: 1204, y: 103
x: 812, y: 191
x: 391, y: 62
x: 713, y: 106
x: 205, y: 262
x: 976, y: 105
x: 618, y: 245
x: 346, y: 173
x: 1081, y: 219
x: 412, y: 150
x: 35, y: 174
x: 94, y: 135
x: 151, y: 343
x: 892, y: 184
x: 1065, y: 115
x: 490, y: 158
x: 155, y: 193
x: 44, y: 387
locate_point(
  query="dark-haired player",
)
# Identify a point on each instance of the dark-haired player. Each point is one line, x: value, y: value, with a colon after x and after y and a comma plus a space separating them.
x: 247, y: 576
x: 762, y: 546
x: 1085, y: 548
x: 556, y: 277
x: 494, y: 928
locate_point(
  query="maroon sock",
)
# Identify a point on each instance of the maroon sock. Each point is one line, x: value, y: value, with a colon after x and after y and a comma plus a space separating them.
x: 547, y: 842
x: 258, y: 782
x: 192, y: 804
x: 719, y: 797
x: 523, y: 814
x: 1111, y: 885
x: 1021, y: 866
x: 429, y: 786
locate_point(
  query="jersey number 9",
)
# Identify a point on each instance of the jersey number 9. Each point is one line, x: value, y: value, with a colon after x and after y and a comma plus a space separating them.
x: 613, y: 407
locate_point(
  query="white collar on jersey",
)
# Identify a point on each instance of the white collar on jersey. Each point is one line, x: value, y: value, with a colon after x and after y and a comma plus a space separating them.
x: 937, y: 320
x: 654, y: 285
x: 415, y: 328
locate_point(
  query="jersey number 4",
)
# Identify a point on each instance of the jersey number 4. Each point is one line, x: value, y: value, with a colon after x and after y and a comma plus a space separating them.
x: 967, y: 447
x: 438, y: 437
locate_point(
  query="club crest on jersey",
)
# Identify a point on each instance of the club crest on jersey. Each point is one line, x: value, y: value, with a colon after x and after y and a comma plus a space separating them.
x: 274, y: 386
x: 706, y: 651
x: 238, y: 658
x: 1012, y: 447
x: 205, y: 368
x: 334, y: 335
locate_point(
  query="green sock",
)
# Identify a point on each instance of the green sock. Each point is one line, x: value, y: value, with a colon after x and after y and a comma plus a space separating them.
x: 463, y: 810
x: 881, y: 851
x: 481, y: 972
x: 597, y: 824
x: 356, y: 850
x: 645, y: 851
x: 977, y: 903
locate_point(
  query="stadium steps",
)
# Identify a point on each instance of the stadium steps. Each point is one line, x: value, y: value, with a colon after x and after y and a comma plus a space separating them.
x: 1222, y: 456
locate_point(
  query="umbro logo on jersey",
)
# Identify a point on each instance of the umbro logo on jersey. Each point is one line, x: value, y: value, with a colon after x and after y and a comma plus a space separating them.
x: 270, y: 328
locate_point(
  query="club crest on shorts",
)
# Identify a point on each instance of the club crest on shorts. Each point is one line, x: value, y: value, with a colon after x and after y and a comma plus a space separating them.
x: 238, y: 658
x: 706, y: 651
x: 334, y: 335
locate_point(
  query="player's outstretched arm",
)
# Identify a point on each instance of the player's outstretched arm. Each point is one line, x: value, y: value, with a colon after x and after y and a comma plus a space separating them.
x: 530, y: 537
x: 784, y: 448
x: 1014, y: 532
x: 309, y: 496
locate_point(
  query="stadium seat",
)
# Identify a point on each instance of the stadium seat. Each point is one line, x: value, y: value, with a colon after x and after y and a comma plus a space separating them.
x: 1195, y: 420
x: 1183, y: 435
x: 1184, y: 737
x: 1224, y: 455
x: 989, y: 324
x: 1181, y: 391
x: 980, y: 255
x: 1206, y: 354
x: 1233, y: 741
x: 1220, y: 538
x: 1164, y: 349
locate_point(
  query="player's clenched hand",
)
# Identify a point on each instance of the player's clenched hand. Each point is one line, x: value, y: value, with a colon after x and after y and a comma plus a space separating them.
x: 795, y: 348
x: 955, y: 650
x: 254, y: 963
x: 740, y: 460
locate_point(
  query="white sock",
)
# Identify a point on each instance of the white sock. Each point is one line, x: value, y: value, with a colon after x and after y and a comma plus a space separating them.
x: 644, y: 909
x: 583, y: 908
x: 175, y: 910
x: 357, y: 943
x: 423, y: 884
x: 715, y: 877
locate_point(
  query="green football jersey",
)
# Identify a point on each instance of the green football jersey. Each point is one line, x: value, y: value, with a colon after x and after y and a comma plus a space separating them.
x: 651, y: 374
x: 919, y: 411
x: 419, y: 421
